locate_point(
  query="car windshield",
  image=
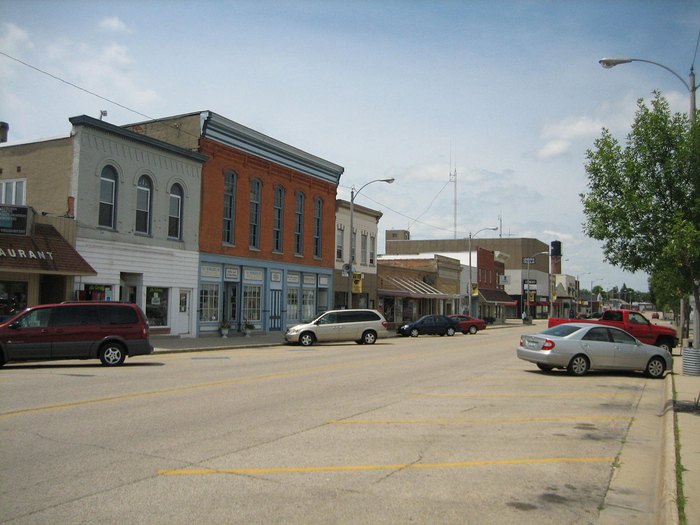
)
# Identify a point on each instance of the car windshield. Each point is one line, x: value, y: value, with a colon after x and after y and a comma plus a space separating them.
x: 562, y: 330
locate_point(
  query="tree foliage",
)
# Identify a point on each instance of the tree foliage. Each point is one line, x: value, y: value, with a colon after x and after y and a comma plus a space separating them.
x: 644, y: 198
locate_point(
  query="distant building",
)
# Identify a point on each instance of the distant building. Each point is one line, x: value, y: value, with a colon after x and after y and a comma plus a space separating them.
x: 527, y: 284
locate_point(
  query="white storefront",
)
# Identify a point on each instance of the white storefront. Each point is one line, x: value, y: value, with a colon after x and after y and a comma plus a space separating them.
x: 161, y: 281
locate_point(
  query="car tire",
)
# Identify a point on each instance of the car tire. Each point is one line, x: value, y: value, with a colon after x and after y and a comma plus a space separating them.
x: 112, y: 354
x: 578, y: 366
x: 414, y: 332
x: 472, y: 329
x: 369, y: 337
x: 665, y: 344
x: 307, y: 339
x: 450, y: 331
x: 545, y: 368
x: 656, y: 368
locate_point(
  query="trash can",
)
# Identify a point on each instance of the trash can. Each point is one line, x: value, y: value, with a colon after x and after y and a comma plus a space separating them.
x: 691, y: 361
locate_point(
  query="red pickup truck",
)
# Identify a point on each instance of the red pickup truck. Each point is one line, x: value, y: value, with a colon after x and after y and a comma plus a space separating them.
x: 634, y: 323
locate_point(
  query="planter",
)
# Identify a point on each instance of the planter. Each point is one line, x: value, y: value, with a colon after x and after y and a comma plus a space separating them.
x: 224, y: 332
x: 691, y: 361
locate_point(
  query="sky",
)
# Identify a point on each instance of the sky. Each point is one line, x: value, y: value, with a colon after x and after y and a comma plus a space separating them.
x: 487, y: 104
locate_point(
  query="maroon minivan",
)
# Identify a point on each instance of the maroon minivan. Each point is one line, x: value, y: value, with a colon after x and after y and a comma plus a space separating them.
x: 109, y: 331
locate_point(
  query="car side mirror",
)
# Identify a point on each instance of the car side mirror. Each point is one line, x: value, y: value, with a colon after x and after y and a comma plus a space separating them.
x: 14, y: 325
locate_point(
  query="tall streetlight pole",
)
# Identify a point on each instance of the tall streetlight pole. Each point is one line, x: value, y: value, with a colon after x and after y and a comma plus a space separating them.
x: 351, y: 251
x: 692, y: 88
x: 527, y: 280
x: 469, y: 286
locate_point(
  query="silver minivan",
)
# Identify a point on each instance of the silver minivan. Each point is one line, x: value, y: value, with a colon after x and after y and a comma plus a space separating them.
x: 361, y: 326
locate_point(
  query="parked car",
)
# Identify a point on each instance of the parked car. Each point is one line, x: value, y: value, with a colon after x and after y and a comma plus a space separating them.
x: 361, y: 326
x: 636, y: 324
x: 108, y: 331
x: 468, y: 324
x: 580, y: 347
x: 430, y: 325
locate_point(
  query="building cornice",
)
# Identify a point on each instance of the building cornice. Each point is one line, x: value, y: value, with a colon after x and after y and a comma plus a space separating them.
x: 226, y: 131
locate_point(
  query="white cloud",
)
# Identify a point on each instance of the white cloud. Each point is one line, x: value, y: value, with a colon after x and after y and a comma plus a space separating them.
x: 553, y: 148
x: 113, y: 23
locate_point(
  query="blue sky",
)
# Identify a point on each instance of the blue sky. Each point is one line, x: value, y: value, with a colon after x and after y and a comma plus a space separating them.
x: 508, y: 94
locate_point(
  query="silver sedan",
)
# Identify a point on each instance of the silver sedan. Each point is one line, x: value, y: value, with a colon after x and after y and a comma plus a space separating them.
x: 580, y: 347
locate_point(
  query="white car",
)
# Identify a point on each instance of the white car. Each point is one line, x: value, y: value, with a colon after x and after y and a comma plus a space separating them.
x: 580, y: 347
x: 361, y: 326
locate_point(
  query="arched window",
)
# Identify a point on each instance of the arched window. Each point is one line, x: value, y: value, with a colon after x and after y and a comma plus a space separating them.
x: 230, y: 181
x: 143, y: 205
x: 255, y: 201
x: 299, y: 225
x: 108, y: 197
x: 175, y: 212
x: 318, y: 222
x: 278, y: 219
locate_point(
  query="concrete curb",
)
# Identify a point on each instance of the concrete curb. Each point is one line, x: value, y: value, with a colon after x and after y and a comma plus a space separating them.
x: 642, y: 488
x: 668, y: 489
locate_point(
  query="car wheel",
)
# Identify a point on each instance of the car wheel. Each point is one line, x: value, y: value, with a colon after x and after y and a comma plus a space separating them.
x: 578, y: 366
x: 306, y: 339
x: 656, y: 368
x: 472, y: 329
x: 112, y: 354
x: 369, y: 337
x: 414, y: 332
x: 545, y: 368
x: 450, y: 331
x: 666, y: 345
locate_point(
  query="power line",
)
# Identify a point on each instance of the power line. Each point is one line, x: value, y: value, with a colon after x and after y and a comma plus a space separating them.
x: 74, y: 85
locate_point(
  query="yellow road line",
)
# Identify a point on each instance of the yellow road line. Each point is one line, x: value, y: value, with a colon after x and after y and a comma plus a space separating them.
x: 399, y: 466
x: 495, y: 420
x: 522, y: 395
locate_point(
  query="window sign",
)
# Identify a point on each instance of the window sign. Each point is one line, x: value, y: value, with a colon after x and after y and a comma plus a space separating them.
x: 157, y: 306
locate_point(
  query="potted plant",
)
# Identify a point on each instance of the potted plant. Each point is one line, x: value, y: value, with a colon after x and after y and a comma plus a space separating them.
x: 224, y: 328
x: 247, y: 327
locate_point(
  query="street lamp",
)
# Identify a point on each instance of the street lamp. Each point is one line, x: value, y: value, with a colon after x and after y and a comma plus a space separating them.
x: 690, y: 85
x: 526, y: 312
x: 351, y: 252
x: 692, y: 88
x: 469, y: 286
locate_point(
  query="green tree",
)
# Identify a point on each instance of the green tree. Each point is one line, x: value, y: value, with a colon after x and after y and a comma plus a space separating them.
x: 644, y: 198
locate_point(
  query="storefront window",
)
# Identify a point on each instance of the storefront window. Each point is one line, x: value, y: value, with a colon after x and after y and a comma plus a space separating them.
x: 13, y: 298
x: 95, y: 292
x: 209, y: 302
x: 293, y: 305
x: 157, y: 306
x: 251, y: 303
x: 308, y: 305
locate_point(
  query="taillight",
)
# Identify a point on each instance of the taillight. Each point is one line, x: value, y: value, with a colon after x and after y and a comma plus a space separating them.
x: 385, y: 324
x: 548, y: 344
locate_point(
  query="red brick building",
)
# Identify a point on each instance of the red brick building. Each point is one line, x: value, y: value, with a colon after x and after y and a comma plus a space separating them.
x: 267, y: 226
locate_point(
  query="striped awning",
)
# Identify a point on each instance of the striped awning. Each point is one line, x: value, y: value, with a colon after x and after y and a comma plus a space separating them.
x: 413, y: 288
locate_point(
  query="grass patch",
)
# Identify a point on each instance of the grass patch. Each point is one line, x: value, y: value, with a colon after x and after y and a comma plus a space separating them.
x: 680, y: 495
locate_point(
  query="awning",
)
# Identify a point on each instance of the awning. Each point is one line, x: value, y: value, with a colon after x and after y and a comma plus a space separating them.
x: 45, y: 251
x: 413, y: 288
x: 497, y: 297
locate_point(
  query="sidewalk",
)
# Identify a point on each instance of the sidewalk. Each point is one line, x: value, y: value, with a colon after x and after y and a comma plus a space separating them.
x: 644, y: 445
x: 687, y: 409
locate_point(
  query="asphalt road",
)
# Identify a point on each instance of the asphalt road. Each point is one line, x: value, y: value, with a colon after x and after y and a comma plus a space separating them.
x: 409, y: 430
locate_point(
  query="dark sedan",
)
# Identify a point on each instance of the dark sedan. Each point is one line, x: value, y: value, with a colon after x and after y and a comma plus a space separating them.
x: 430, y: 325
x: 469, y: 324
